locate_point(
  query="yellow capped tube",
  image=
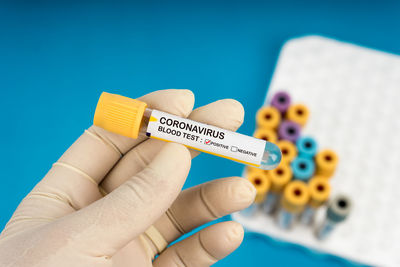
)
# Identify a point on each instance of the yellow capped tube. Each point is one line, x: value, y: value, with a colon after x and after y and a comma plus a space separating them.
x: 326, y: 161
x: 131, y: 117
x: 295, y: 196
x: 268, y: 117
x: 266, y: 134
x: 298, y: 113
x: 294, y: 199
x: 279, y: 178
x: 288, y: 149
x: 252, y: 169
x: 261, y: 182
x: 119, y: 114
x: 320, y: 191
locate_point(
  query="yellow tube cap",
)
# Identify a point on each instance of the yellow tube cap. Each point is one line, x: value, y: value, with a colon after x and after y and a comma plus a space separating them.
x: 289, y: 150
x: 261, y: 183
x: 295, y: 196
x: 268, y: 117
x: 119, y: 114
x: 280, y: 177
x: 320, y: 190
x: 298, y: 113
x: 250, y: 169
x: 326, y: 161
x: 266, y: 134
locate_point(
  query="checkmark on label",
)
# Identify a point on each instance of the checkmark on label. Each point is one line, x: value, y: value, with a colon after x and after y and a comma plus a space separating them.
x: 207, y: 141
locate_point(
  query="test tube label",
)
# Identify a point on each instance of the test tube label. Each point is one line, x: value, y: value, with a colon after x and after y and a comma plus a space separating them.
x: 206, y: 138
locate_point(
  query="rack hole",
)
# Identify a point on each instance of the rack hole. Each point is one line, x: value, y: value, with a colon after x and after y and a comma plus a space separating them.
x: 268, y: 116
x: 308, y: 145
x: 291, y: 130
x: 302, y: 166
x: 257, y: 181
x: 280, y: 171
x: 282, y: 99
x: 285, y: 151
x: 328, y: 157
x: 320, y: 187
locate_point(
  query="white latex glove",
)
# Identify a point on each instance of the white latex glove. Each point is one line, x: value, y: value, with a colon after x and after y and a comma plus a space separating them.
x: 66, y: 221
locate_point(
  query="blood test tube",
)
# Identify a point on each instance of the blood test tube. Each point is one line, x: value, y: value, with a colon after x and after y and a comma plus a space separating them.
x: 266, y: 134
x: 289, y: 130
x: 279, y: 178
x: 298, y: 113
x: 303, y: 168
x: 288, y: 149
x: 261, y: 182
x: 294, y: 199
x: 281, y: 101
x: 319, y: 190
x: 307, y: 147
x: 326, y: 161
x: 338, y: 210
x: 268, y: 117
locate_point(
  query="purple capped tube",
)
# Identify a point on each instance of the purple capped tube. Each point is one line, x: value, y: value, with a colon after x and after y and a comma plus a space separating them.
x: 289, y: 130
x: 281, y: 101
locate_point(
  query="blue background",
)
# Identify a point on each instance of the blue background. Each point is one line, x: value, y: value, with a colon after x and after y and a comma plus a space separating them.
x: 56, y: 57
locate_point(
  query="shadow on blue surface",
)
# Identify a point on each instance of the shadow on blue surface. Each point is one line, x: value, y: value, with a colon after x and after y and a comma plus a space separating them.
x: 298, y: 250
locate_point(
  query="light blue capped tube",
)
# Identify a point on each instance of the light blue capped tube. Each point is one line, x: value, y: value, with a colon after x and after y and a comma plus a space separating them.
x: 307, y: 147
x: 303, y: 168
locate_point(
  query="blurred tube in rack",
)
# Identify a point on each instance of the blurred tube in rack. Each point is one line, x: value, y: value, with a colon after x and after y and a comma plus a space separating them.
x: 288, y: 149
x: 338, y: 210
x: 289, y: 131
x: 319, y: 190
x: 281, y: 101
x: 303, y: 168
x: 298, y: 113
x: 279, y: 178
x: 307, y: 147
x: 266, y: 134
x: 295, y: 197
x: 268, y: 117
x: 326, y: 161
x: 261, y: 182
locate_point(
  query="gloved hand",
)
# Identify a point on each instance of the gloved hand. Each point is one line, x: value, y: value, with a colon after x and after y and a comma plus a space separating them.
x: 115, y: 201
